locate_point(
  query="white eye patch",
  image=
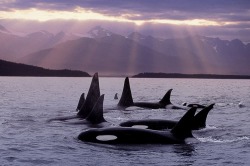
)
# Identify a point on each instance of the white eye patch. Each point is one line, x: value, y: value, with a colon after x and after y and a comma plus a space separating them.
x: 140, y: 126
x: 106, y: 137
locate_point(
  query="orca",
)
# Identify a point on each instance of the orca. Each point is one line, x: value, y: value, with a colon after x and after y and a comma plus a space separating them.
x: 193, y: 105
x: 126, y: 99
x: 128, y: 135
x: 201, y: 117
x: 116, y: 96
x: 96, y: 114
x: 91, y: 99
x: 86, y: 105
x: 80, y: 102
x: 95, y: 118
x: 199, y: 122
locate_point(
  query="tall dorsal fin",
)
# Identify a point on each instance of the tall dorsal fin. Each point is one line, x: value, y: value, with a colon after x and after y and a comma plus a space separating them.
x: 126, y: 99
x: 183, y: 128
x: 166, y: 98
x: 201, y: 117
x: 96, y: 115
x: 80, y: 102
x: 92, y: 97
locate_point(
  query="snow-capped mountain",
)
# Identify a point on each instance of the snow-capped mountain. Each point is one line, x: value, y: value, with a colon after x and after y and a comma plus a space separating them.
x: 136, y: 36
x: 99, y: 32
x: 112, y: 53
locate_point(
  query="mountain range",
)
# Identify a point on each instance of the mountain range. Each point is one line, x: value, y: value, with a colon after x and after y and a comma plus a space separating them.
x: 16, y: 45
x: 113, y: 54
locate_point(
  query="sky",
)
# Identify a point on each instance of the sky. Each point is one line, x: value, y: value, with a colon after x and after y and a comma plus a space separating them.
x: 226, y: 19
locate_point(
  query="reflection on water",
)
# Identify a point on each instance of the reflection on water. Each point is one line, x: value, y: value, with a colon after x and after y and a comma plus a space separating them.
x: 184, y: 149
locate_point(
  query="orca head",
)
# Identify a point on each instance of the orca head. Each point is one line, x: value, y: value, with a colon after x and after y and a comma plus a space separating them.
x: 87, y: 135
x: 96, y: 115
x: 126, y: 99
x: 92, y: 97
x: 241, y: 105
x: 96, y: 135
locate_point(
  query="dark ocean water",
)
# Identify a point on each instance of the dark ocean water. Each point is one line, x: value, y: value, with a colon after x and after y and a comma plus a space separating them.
x: 27, y: 138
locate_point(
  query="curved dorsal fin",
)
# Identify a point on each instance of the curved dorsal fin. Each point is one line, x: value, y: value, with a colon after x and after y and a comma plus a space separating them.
x: 183, y: 128
x: 80, y: 102
x: 96, y: 115
x: 166, y: 98
x: 92, y: 97
x: 201, y: 117
x: 126, y: 99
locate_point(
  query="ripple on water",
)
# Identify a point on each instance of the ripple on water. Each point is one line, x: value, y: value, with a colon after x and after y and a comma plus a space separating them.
x: 216, y: 140
x: 36, y: 161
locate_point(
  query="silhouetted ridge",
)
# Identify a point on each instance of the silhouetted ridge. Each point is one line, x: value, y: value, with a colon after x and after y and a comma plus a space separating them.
x: 178, y: 75
x: 16, y: 69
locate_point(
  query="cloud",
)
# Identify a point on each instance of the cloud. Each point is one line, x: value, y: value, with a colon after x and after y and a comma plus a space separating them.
x: 225, y: 17
x: 227, y: 10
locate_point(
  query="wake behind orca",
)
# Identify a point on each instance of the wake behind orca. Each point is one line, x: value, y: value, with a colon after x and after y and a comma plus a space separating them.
x: 126, y: 99
x: 199, y: 122
x: 128, y: 135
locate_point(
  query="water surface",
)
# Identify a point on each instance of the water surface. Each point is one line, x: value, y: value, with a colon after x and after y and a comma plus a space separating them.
x: 27, y: 138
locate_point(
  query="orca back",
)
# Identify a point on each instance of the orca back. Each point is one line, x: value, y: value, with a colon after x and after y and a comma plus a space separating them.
x: 126, y: 99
